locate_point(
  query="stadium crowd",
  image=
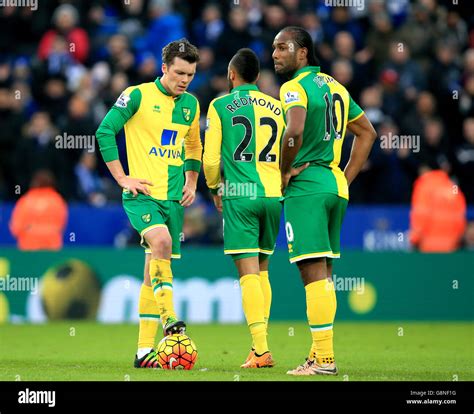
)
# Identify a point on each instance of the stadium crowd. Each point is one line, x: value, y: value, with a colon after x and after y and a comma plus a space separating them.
x: 410, y: 65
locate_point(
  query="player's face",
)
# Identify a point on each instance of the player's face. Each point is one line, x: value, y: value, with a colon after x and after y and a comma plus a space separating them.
x: 179, y: 75
x: 284, y: 54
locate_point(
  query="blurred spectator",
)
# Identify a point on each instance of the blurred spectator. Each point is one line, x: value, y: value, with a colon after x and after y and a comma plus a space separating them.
x: 37, y: 150
x: 433, y: 145
x: 392, y: 95
x: 274, y: 20
x: 267, y: 83
x: 371, y: 101
x: 341, y: 22
x: 218, y: 85
x: 90, y: 185
x: 379, y: 38
x: 445, y: 82
x: 311, y: 23
x: 234, y: 37
x: 205, y: 69
x: 39, y: 218
x: 454, y: 29
x: 341, y: 70
x: 419, y: 32
x: 208, y: 28
x: 53, y: 96
x: 166, y: 25
x: 410, y: 75
x: 147, y: 68
x: 66, y: 36
x: 464, y: 161
x: 438, y: 212
x: 120, y: 58
x: 293, y: 11
x: 10, y: 126
x: 414, y: 121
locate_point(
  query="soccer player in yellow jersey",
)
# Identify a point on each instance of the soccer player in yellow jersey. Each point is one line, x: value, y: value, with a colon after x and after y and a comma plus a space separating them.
x: 161, y: 122
x: 317, y: 110
x: 244, y: 130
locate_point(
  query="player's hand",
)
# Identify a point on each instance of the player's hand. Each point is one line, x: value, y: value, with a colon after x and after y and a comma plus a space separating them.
x: 285, y: 178
x: 217, y: 202
x: 189, y: 195
x: 135, y: 185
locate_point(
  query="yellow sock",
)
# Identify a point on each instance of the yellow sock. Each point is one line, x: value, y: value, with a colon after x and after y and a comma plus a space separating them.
x: 162, y: 283
x: 267, y: 295
x: 149, y: 317
x: 321, y: 310
x: 253, y: 304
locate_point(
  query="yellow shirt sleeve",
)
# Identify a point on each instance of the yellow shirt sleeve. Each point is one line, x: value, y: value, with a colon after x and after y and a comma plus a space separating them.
x: 293, y: 94
x: 212, y: 148
x: 193, y: 145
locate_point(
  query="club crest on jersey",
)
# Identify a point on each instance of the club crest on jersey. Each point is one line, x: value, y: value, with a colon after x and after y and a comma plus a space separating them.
x: 186, y: 114
x: 292, y: 97
x: 122, y: 101
x: 146, y: 218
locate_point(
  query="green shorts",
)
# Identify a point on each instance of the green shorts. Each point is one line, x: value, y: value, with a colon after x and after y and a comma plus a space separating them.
x: 313, y: 225
x: 251, y: 226
x: 146, y: 213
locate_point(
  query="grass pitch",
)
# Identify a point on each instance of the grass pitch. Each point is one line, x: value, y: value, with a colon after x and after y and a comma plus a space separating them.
x: 392, y: 351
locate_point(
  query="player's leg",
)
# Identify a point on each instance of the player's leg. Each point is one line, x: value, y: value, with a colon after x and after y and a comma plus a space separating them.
x: 270, y: 216
x: 264, y: 260
x: 253, y: 303
x: 149, y: 320
x: 174, y: 213
x: 241, y: 233
x: 159, y: 241
x: 336, y: 217
x: 308, y: 239
x: 143, y: 216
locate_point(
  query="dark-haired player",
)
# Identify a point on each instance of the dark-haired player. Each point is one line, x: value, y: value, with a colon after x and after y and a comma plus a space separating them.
x: 317, y: 110
x: 164, y: 150
x: 244, y: 129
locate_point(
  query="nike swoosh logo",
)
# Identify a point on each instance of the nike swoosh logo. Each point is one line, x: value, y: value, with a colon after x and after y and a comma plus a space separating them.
x: 170, y: 363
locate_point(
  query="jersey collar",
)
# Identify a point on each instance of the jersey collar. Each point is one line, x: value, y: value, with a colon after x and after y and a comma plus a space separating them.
x: 245, y: 87
x: 307, y: 69
x: 162, y: 89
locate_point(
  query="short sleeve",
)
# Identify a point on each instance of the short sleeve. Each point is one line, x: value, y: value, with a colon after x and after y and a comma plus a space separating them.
x: 355, y: 111
x: 293, y: 94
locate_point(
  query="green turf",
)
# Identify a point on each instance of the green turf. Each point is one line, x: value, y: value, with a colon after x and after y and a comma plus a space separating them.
x: 364, y: 351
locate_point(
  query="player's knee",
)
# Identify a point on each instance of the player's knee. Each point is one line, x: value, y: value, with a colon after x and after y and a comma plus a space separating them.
x: 160, y: 246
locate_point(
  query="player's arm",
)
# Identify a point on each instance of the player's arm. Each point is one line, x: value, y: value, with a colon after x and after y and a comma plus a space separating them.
x: 125, y: 107
x: 364, y: 138
x: 192, y: 163
x: 212, y: 154
x: 294, y: 102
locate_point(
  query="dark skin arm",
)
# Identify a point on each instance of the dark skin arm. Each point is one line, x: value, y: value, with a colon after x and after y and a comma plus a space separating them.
x: 291, y: 144
x: 364, y: 138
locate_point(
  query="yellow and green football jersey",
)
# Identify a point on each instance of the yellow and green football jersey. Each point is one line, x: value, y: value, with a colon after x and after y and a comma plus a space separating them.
x: 244, y: 128
x: 162, y: 136
x: 329, y: 109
